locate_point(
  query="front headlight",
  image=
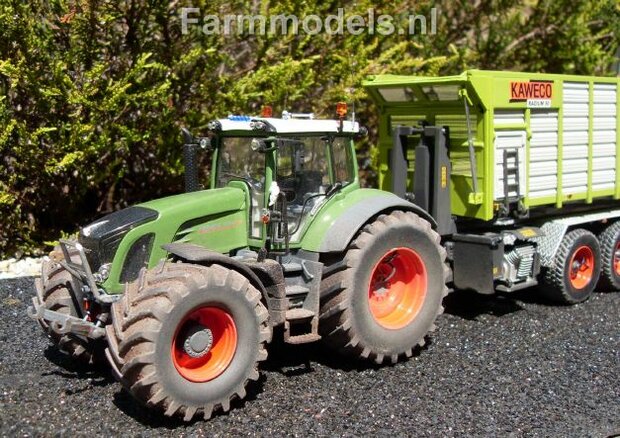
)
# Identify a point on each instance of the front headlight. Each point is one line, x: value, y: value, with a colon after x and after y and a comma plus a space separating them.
x: 102, y: 273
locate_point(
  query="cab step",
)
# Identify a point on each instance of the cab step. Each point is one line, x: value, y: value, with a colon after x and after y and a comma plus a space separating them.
x: 299, y: 314
x: 296, y: 289
x: 303, y: 339
x: 301, y: 326
x: 302, y: 284
x: 292, y: 267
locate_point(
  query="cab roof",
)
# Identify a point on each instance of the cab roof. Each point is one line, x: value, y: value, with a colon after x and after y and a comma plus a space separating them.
x: 291, y: 125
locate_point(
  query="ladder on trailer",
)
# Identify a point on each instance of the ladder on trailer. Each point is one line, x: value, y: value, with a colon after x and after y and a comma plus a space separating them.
x: 512, y: 172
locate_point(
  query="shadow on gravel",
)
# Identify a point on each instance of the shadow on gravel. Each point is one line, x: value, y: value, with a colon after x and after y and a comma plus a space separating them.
x: 98, y: 374
x: 145, y: 416
x: 295, y: 360
x: 470, y: 305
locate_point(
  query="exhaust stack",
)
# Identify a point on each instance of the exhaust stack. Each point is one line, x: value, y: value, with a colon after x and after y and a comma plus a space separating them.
x: 190, y: 162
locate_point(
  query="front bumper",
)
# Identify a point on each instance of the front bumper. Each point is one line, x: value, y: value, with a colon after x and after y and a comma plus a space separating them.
x: 76, y: 263
x: 62, y: 323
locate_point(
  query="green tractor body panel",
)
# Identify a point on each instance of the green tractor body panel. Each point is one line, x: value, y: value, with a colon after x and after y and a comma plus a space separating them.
x: 216, y: 219
x: 337, y: 222
x: 563, y: 128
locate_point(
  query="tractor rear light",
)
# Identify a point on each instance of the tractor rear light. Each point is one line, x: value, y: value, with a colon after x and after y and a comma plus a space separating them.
x: 341, y: 109
x: 266, y: 112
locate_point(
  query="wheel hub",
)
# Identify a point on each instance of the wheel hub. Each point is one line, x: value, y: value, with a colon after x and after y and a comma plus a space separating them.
x: 397, y: 288
x: 617, y: 259
x: 581, y: 267
x: 204, y: 344
x: 198, y: 341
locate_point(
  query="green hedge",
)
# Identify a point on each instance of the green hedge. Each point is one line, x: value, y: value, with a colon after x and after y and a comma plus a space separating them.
x: 93, y: 93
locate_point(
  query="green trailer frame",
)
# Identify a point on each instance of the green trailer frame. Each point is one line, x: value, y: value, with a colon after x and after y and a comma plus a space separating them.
x: 567, y: 128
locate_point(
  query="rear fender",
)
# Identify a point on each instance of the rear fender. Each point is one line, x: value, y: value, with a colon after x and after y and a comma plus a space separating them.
x: 340, y: 229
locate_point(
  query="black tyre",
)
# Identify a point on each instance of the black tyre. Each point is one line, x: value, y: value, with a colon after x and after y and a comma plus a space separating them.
x: 382, y: 299
x: 61, y: 294
x: 186, y: 339
x: 609, y: 240
x: 574, y: 275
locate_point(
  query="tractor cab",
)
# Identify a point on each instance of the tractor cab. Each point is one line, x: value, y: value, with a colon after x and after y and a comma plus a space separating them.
x: 288, y: 167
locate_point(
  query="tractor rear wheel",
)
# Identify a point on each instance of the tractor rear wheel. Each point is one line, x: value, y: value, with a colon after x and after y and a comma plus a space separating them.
x: 609, y: 240
x: 576, y: 268
x: 186, y: 339
x: 383, y: 298
x: 60, y: 293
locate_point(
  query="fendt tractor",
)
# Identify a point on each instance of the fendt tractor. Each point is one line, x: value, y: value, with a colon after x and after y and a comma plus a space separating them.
x: 488, y: 181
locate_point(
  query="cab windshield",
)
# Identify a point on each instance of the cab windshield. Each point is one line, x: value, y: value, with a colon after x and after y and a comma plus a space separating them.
x: 238, y: 162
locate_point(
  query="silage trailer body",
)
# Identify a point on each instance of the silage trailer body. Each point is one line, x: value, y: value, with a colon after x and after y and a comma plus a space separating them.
x: 564, y: 130
x: 500, y: 158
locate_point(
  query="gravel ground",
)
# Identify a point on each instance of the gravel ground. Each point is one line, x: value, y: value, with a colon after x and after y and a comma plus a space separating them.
x: 498, y: 366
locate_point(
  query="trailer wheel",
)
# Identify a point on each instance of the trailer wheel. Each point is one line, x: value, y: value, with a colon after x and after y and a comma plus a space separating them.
x: 382, y: 299
x: 610, y: 258
x: 575, y: 273
x: 185, y: 339
x: 60, y: 294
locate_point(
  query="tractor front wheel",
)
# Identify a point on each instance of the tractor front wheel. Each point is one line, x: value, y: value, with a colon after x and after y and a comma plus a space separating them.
x: 382, y: 299
x: 186, y: 339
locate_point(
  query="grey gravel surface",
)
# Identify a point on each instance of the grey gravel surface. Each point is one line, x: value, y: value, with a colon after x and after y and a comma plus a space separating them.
x: 497, y: 366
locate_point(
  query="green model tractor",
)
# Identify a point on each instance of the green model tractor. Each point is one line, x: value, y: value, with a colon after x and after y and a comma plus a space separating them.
x: 182, y: 294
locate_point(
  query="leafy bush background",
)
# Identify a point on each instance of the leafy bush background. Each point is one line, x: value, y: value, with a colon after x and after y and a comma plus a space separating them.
x: 93, y: 93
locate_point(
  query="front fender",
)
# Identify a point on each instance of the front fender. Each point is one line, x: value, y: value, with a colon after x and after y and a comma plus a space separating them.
x: 198, y: 254
x: 337, y: 223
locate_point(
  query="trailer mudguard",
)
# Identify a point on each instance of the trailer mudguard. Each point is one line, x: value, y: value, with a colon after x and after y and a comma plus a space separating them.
x: 341, y: 230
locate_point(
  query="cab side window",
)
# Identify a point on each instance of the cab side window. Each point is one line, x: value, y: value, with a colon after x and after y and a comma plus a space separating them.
x: 343, y: 162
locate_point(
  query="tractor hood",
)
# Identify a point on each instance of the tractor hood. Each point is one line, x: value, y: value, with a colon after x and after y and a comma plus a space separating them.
x: 197, y: 204
x: 215, y: 219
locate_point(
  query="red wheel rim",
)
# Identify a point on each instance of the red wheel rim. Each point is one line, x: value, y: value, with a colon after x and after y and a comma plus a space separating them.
x: 220, y: 351
x: 397, y: 289
x: 581, y: 267
x: 617, y: 259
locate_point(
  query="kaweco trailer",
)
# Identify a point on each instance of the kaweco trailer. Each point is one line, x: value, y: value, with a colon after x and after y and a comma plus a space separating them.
x: 520, y: 171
